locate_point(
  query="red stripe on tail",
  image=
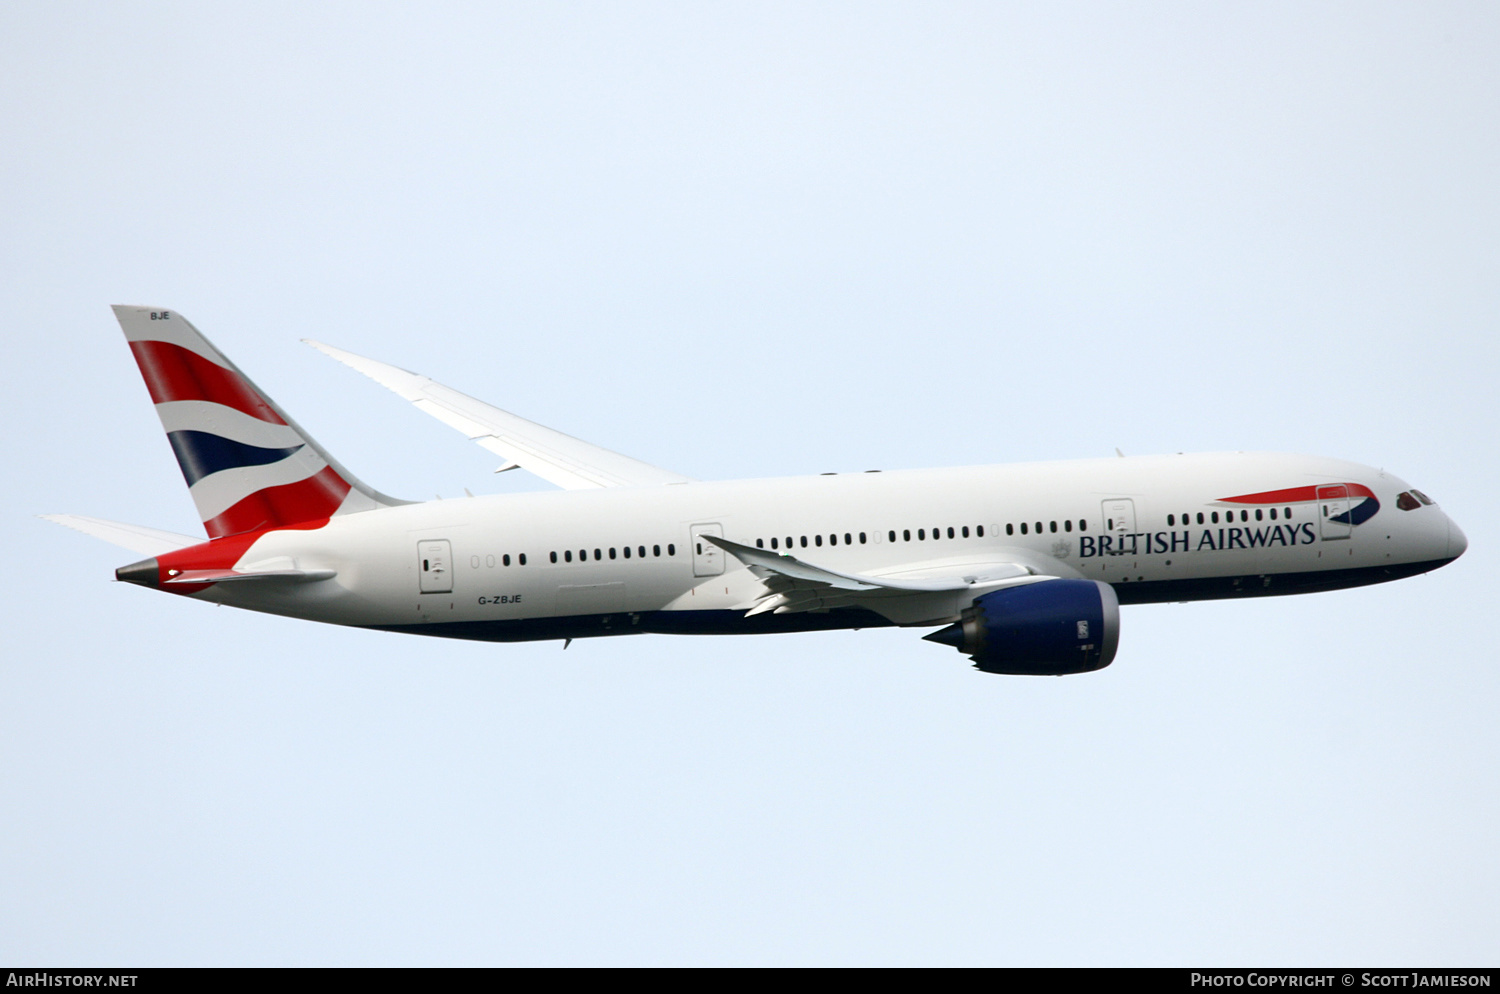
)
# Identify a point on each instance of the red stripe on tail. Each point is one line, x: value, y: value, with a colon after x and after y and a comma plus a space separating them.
x: 175, y: 373
x: 312, y: 499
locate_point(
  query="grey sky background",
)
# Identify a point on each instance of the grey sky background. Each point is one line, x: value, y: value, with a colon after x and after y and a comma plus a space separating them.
x: 748, y: 240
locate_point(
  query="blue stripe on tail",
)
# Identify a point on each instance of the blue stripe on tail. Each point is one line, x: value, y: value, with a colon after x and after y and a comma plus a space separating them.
x: 202, y: 453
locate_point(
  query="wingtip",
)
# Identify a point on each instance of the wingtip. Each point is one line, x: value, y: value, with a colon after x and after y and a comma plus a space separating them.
x: 373, y: 368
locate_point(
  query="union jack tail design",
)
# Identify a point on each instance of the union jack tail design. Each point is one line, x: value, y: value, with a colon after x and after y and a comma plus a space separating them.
x: 248, y: 466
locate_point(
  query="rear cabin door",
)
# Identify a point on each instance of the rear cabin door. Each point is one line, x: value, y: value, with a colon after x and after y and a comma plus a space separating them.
x: 1119, y: 522
x: 1333, y: 512
x: 435, y: 566
x: 708, y: 559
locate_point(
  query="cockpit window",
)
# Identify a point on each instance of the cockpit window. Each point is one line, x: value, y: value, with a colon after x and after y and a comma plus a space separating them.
x: 1419, y: 495
x: 1407, y: 502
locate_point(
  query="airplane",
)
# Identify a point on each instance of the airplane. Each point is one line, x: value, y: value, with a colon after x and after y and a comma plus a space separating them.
x: 1022, y: 568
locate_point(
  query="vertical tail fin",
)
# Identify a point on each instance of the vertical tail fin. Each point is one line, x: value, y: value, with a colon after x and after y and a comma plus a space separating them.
x: 247, y: 464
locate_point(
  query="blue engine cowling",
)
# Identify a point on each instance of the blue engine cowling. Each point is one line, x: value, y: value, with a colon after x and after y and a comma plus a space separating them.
x: 1042, y: 629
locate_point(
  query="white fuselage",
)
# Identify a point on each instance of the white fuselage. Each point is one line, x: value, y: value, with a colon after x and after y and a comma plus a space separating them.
x: 612, y: 561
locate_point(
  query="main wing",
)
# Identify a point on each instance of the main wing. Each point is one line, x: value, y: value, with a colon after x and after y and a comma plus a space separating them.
x: 568, y: 462
x: 913, y: 595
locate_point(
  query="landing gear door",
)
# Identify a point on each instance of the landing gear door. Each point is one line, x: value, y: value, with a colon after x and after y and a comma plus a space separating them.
x: 1333, y: 512
x: 435, y: 567
x: 1119, y: 521
x: 708, y: 559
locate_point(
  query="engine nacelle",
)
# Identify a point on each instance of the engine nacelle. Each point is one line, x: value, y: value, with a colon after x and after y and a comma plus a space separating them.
x: 1047, y: 628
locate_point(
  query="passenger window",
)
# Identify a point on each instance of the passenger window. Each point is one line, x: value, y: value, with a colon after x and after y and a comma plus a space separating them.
x: 1170, y: 522
x: 1010, y: 529
x: 1052, y: 526
x: 921, y: 534
x: 641, y: 550
x: 847, y: 540
x: 1038, y: 527
x: 598, y: 554
x: 521, y: 559
x: 1215, y: 517
x: 861, y: 538
x: 1200, y: 517
x: 804, y: 541
x: 554, y: 556
x: 760, y: 543
x: 1286, y: 512
x: 567, y: 555
x: 950, y: 532
x: 656, y: 550
x: 671, y: 549
x: 1273, y: 514
x: 980, y: 531
x: 505, y: 560
x: 964, y: 531
x: 891, y: 536
x: 1083, y: 525
x: 1257, y: 514
x: 818, y: 541
x: 1068, y: 525
x: 906, y: 535
x: 626, y: 550
x: 773, y: 541
x: 1023, y: 528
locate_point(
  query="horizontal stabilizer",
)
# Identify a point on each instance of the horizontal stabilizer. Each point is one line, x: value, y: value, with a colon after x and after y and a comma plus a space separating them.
x: 136, y: 538
x: 563, y: 460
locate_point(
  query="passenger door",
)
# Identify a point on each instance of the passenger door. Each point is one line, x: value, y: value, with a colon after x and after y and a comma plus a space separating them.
x: 1119, y: 522
x: 435, y: 566
x: 708, y: 559
x: 1333, y: 502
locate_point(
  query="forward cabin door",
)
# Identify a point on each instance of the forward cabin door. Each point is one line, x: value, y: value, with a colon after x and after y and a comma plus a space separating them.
x: 435, y: 567
x: 1333, y: 502
x: 708, y: 559
x: 1119, y: 522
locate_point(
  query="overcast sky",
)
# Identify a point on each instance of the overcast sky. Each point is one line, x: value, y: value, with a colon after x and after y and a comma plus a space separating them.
x: 748, y: 240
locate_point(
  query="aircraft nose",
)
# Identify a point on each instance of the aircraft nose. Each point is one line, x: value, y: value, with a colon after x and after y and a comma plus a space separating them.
x: 1457, y: 542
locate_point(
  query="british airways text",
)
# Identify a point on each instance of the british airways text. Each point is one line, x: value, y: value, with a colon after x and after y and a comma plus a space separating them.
x: 1210, y: 539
